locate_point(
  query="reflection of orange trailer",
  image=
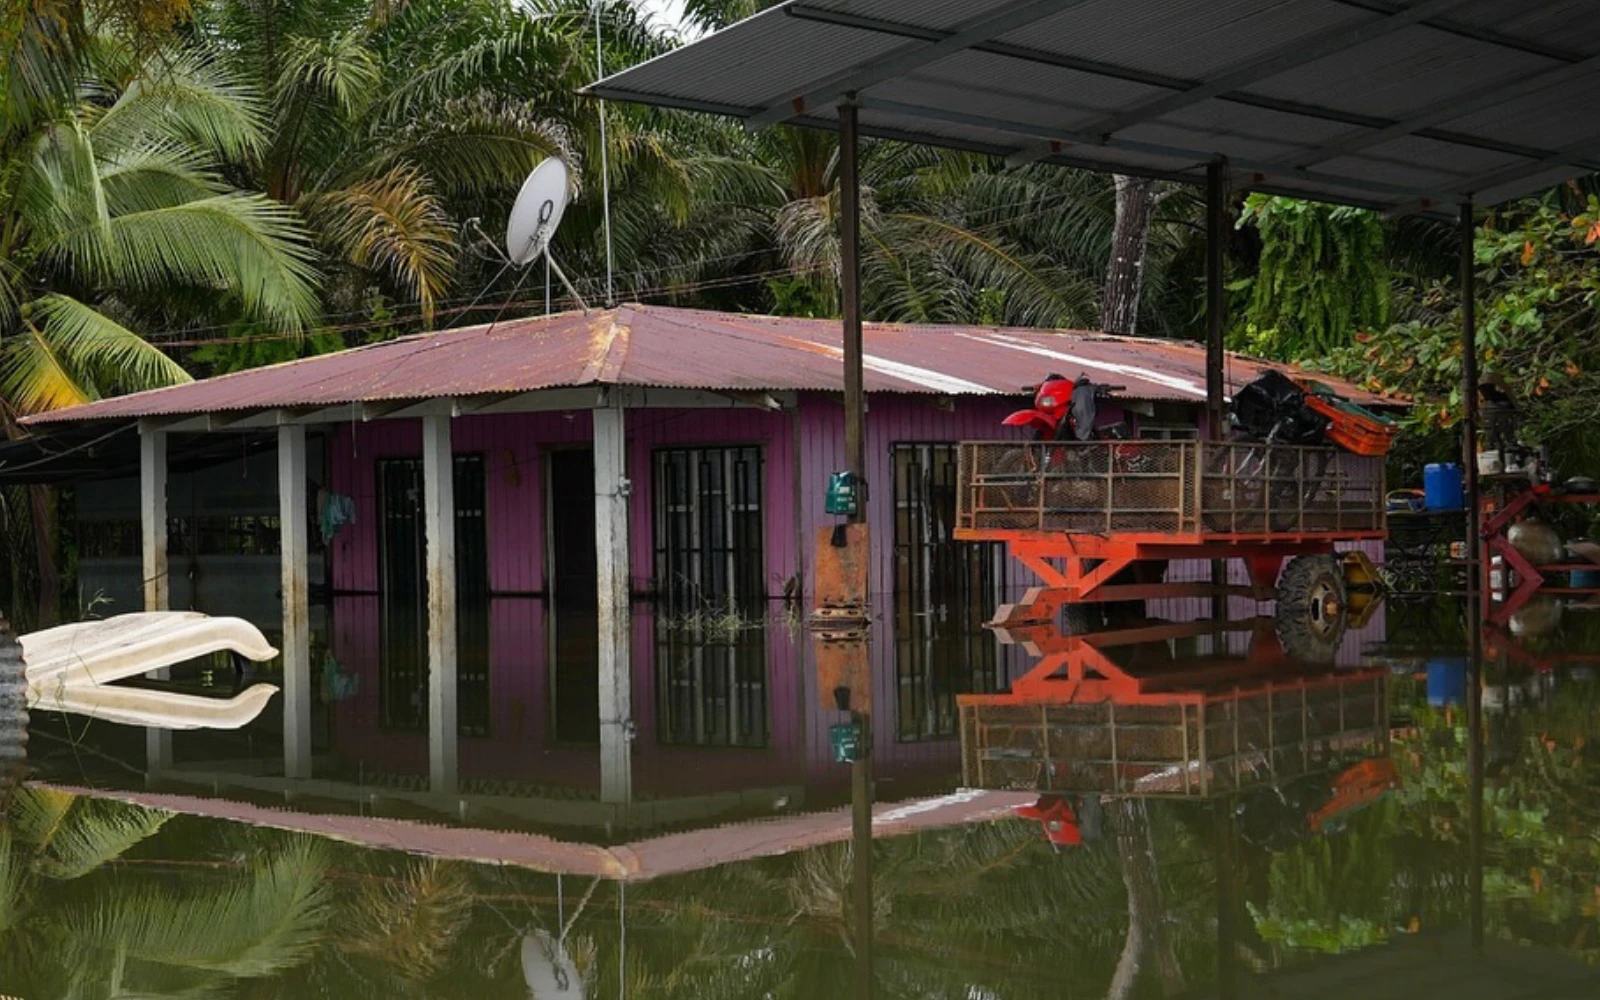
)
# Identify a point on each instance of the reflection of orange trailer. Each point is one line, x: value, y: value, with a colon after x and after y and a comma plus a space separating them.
x: 1094, y: 717
x: 1081, y: 515
x: 1358, y: 786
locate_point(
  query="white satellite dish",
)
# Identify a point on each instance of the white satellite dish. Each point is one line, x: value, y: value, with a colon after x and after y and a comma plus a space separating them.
x: 548, y: 969
x: 534, y: 219
x: 537, y: 211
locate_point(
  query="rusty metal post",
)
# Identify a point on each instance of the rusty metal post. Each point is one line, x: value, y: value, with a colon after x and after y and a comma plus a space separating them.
x: 861, y: 791
x: 1475, y: 768
x: 1469, y: 417
x: 1216, y: 324
x: 439, y: 518
x: 1216, y: 295
x: 855, y: 404
x: 153, y: 546
x: 1476, y: 590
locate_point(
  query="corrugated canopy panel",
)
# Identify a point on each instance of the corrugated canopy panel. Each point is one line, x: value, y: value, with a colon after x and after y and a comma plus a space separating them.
x: 666, y: 348
x: 1407, y: 105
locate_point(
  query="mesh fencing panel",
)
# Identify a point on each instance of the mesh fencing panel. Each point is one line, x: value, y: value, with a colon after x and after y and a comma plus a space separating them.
x: 1177, y: 749
x: 1167, y: 487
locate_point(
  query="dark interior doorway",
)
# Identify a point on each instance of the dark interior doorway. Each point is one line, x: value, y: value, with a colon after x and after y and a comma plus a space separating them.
x: 574, y: 590
x: 402, y: 567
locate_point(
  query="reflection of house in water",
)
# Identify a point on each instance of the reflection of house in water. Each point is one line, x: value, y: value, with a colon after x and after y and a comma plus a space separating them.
x: 628, y: 499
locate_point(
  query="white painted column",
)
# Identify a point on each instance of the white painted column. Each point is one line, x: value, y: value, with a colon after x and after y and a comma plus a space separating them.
x: 439, y: 514
x: 293, y: 530
x: 611, y: 560
x: 153, y: 547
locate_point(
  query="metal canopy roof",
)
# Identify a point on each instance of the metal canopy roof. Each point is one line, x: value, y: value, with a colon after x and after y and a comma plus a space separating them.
x: 1403, y: 106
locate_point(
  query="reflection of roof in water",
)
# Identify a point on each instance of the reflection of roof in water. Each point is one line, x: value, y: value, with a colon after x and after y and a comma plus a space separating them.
x: 641, y: 860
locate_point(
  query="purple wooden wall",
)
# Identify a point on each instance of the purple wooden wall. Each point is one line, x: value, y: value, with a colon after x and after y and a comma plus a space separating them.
x: 800, y: 450
x: 514, y: 447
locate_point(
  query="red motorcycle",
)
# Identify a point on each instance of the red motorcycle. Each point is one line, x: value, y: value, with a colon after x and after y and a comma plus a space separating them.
x: 1066, y: 411
x: 1063, y: 410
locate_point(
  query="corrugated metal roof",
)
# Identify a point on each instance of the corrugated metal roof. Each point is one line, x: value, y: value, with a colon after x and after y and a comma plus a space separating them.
x: 661, y: 347
x: 1388, y: 69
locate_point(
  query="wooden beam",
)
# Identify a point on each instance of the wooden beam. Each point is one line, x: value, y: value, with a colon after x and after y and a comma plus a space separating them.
x: 296, y: 644
x: 153, y: 548
x: 445, y: 406
x: 438, y: 488
x: 537, y: 401
x: 611, y: 560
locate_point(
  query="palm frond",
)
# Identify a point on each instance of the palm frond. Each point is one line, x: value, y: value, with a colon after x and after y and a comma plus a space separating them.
x: 13, y: 874
x: 34, y: 379
x: 103, y: 356
x: 338, y: 68
x: 41, y: 45
x: 72, y: 836
x: 188, y: 99
x: 59, y: 195
x: 246, y: 244
x: 272, y: 918
x: 154, y: 175
x: 474, y: 146
x: 412, y: 923
x: 395, y: 225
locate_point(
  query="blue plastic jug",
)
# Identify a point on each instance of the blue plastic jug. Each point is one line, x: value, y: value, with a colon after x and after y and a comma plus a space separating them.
x: 1442, y: 486
x: 1447, y: 681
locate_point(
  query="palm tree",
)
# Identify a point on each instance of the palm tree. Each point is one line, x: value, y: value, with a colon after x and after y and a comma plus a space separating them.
x: 391, y: 123
x: 73, y: 925
x: 116, y: 219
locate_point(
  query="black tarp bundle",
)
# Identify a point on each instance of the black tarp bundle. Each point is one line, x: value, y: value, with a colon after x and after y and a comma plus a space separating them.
x: 1273, y: 410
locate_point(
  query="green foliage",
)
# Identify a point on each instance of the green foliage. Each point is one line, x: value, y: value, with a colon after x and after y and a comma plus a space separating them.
x: 1537, y: 322
x: 1321, y: 279
x: 113, y: 207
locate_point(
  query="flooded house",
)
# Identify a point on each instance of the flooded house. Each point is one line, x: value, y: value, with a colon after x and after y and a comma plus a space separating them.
x: 490, y: 551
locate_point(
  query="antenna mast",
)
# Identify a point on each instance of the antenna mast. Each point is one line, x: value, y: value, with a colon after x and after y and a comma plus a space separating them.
x: 605, y: 172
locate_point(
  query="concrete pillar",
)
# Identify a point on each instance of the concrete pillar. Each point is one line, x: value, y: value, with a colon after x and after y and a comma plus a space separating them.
x: 153, y: 547
x: 439, y: 515
x: 293, y: 531
x: 611, y: 560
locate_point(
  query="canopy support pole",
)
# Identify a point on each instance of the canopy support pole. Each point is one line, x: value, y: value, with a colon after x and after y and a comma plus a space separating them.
x: 861, y: 791
x: 1216, y: 304
x: 850, y: 303
x: 1216, y: 320
x: 439, y: 515
x: 157, y: 580
x: 1477, y: 597
x: 296, y: 601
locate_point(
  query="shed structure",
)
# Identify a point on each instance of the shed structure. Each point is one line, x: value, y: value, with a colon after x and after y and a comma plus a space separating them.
x: 596, y: 460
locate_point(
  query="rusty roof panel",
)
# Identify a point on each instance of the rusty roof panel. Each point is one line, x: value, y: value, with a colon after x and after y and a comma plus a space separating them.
x: 661, y: 347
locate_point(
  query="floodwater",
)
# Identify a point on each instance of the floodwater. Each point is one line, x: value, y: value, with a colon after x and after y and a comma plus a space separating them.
x: 1334, y: 859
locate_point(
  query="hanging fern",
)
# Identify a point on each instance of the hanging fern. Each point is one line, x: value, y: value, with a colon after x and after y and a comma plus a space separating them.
x: 1322, y: 278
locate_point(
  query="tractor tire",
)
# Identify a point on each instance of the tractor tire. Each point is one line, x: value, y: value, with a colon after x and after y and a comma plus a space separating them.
x: 1313, y: 608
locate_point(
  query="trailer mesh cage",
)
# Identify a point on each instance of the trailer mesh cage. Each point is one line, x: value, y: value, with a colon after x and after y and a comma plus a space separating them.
x: 1183, y: 488
x: 1194, y: 747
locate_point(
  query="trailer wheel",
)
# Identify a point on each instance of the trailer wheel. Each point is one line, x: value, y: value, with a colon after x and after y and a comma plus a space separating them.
x: 1313, y: 608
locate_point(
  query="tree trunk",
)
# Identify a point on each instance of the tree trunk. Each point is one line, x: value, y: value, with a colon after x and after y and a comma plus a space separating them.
x: 1148, y: 930
x: 42, y: 517
x: 42, y: 504
x: 1119, y: 299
